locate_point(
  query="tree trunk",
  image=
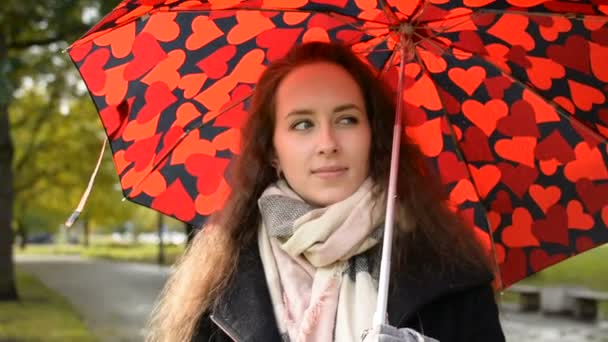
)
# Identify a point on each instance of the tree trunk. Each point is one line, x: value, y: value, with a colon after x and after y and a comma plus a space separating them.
x: 8, y: 291
x: 22, y: 232
x: 161, y: 247
x: 85, y: 232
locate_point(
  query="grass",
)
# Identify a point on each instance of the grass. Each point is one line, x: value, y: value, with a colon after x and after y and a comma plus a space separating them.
x: 119, y: 252
x: 589, y: 269
x: 41, y: 315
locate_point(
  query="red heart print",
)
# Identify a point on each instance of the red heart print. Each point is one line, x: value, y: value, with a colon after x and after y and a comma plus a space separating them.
x: 594, y: 197
x: 589, y: 164
x: 585, y: 96
x: 564, y: 56
x: 485, y: 116
x: 216, y: 64
x: 92, y: 71
x: 554, y: 146
x: 551, y: 27
x: 554, y: 228
x: 475, y: 146
x: 577, y: 218
x: 208, y: 170
x: 485, y: 178
x: 515, y: 266
x: 158, y: 98
x: 502, y: 203
x: 539, y: 259
x: 512, y: 28
x: 543, y: 71
x: 468, y: 80
x: 518, y: 149
x: 147, y: 53
x: 518, y: 178
x: 278, y: 41
x: 78, y: 53
x: 204, y: 31
x: 142, y: 151
x: 496, y: 86
x: 519, y: 233
x: 175, y: 201
x: 545, y: 197
x: 450, y: 167
x: 519, y: 56
x: 521, y: 121
x: 584, y: 243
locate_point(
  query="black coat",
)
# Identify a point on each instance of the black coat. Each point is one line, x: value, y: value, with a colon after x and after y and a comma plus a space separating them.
x: 447, y: 308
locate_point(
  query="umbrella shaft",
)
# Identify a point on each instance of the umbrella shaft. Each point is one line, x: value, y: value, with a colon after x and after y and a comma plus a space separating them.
x: 385, y: 265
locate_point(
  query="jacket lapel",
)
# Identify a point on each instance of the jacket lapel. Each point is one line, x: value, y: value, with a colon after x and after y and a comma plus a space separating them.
x: 245, y: 310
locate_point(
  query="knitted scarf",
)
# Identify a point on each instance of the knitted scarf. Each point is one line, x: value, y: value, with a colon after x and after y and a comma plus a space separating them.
x: 319, y: 263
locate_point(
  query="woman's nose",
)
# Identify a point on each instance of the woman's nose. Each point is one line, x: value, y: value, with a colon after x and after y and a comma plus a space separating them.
x: 327, y: 143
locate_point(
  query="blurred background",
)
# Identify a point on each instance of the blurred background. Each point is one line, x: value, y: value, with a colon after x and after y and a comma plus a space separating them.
x: 97, y: 280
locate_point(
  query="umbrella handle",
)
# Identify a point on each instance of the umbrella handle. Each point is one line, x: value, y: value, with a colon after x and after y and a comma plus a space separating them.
x: 385, y: 265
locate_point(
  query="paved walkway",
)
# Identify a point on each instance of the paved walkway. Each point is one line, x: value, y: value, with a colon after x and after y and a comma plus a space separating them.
x: 116, y: 299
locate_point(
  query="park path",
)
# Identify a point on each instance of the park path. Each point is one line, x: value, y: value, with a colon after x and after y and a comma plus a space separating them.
x: 115, y: 300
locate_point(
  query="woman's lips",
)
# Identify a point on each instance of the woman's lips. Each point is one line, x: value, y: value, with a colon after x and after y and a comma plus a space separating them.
x: 329, y: 172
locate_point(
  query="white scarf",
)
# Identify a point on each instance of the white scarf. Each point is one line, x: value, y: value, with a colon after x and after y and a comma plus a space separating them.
x: 322, y: 285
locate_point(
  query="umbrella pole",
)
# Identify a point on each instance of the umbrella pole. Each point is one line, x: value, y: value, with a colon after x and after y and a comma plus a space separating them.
x: 385, y: 265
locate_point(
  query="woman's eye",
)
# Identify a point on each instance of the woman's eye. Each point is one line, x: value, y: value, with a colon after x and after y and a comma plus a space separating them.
x: 301, y: 125
x: 348, y: 120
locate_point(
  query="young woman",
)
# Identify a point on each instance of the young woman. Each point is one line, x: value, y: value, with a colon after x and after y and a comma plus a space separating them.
x: 294, y: 255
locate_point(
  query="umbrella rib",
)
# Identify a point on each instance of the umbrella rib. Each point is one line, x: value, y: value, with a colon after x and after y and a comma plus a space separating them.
x: 388, y: 63
x: 388, y: 11
x: 285, y: 10
x: 546, y: 14
x: 438, y: 32
x: 470, y: 175
x: 384, y: 38
x: 560, y: 111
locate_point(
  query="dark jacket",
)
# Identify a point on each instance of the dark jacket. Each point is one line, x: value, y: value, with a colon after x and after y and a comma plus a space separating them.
x: 447, y: 308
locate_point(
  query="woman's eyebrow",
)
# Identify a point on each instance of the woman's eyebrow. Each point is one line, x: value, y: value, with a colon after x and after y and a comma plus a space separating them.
x: 340, y: 108
x: 300, y: 112
x: 346, y: 107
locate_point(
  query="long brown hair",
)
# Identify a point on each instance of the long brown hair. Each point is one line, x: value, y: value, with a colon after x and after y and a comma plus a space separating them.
x: 433, y: 238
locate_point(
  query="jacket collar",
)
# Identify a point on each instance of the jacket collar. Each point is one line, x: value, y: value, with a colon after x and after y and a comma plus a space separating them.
x: 245, y: 311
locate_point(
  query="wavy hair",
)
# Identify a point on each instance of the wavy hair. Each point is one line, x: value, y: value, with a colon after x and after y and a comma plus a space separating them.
x: 426, y: 229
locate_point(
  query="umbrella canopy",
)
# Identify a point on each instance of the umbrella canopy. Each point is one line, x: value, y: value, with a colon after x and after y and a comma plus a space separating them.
x: 507, y: 99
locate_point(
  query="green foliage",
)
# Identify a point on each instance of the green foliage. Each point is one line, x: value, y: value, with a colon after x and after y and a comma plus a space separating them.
x: 56, y: 130
x: 42, y: 315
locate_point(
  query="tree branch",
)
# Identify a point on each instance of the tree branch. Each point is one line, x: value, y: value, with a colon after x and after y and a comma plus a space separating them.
x: 19, y: 45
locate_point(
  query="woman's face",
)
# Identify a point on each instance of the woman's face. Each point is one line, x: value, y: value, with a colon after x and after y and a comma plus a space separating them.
x: 322, y: 135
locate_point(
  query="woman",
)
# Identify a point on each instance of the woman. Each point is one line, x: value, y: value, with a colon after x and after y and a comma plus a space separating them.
x: 294, y: 255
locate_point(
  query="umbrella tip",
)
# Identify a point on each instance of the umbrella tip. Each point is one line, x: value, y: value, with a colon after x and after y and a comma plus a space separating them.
x: 70, y: 221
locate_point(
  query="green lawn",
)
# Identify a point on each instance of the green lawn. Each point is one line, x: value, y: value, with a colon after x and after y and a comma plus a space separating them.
x: 589, y: 269
x: 134, y: 252
x: 41, y: 315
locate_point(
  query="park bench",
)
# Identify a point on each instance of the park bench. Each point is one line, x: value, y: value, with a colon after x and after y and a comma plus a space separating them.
x: 586, y: 303
x: 529, y: 296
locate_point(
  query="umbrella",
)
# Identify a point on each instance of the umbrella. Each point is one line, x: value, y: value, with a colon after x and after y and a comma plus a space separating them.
x: 507, y: 99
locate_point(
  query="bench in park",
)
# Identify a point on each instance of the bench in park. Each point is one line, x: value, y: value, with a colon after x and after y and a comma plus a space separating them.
x: 529, y: 296
x: 586, y: 303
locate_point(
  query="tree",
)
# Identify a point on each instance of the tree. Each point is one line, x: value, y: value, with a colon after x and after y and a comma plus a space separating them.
x: 39, y: 29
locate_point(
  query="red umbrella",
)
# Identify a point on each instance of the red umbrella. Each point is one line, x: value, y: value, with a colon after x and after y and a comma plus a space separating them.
x: 507, y: 99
